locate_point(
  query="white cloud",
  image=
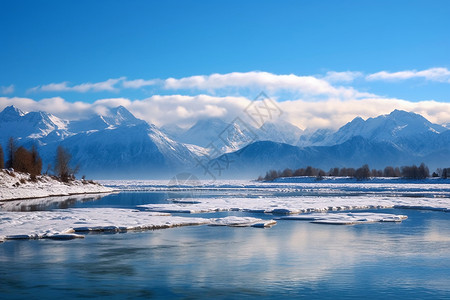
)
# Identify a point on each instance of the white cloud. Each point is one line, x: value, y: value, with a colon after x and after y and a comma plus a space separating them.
x: 107, y: 85
x: 347, y: 76
x: 186, y: 110
x: 334, y: 113
x: 7, y: 89
x: 432, y: 74
x: 306, y: 85
x: 138, y: 83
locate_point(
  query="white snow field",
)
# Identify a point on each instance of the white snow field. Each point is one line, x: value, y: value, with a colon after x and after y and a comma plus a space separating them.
x: 15, y: 185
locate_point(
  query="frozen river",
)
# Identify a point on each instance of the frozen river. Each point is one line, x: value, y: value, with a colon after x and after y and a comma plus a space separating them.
x: 294, y: 258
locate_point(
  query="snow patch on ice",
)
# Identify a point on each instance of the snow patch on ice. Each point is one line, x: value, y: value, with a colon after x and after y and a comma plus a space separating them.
x: 68, y: 223
x: 346, y: 218
x: 297, y: 205
x: 234, y: 221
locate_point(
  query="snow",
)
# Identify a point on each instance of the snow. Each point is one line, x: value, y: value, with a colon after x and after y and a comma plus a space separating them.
x: 68, y: 223
x: 234, y: 221
x: 12, y: 188
x: 296, y: 205
x: 346, y: 218
x: 298, y: 195
x: 327, y: 202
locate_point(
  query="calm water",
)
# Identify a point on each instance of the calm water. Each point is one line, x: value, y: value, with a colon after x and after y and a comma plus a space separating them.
x: 410, y: 260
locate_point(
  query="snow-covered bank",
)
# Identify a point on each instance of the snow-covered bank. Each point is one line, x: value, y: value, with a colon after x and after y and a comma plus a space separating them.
x: 304, y: 186
x: 15, y: 185
x: 68, y: 223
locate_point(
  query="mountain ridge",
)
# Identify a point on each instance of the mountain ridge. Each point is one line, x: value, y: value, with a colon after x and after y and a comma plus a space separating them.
x: 117, y: 144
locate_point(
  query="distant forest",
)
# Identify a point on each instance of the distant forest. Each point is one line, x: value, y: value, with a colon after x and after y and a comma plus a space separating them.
x: 362, y: 173
x: 23, y: 160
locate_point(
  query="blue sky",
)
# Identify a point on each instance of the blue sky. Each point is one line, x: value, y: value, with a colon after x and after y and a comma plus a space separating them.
x: 65, y: 44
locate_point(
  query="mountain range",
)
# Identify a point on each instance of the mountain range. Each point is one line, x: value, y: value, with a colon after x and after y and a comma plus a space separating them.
x: 118, y: 145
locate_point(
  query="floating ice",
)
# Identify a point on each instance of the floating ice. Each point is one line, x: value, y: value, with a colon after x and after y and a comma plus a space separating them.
x: 242, y: 222
x: 299, y: 204
x: 67, y: 223
x: 346, y: 218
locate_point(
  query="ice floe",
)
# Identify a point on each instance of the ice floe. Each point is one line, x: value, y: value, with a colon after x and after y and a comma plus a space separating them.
x: 296, y: 205
x: 68, y: 223
x: 346, y: 218
x: 234, y: 221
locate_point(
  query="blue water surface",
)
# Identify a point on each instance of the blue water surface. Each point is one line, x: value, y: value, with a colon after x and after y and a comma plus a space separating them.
x: 408, y: 260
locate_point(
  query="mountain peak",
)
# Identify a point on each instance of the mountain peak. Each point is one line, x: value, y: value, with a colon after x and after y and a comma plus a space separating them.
x: 407, y: 117
x: 121, y: 116
x: 10, y: 113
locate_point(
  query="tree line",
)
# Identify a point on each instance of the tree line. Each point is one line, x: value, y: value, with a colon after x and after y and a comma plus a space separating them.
x: 29, y: 161
x: 362, y: 173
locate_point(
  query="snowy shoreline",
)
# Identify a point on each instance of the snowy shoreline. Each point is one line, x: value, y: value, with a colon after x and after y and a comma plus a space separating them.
x: 18, y: 186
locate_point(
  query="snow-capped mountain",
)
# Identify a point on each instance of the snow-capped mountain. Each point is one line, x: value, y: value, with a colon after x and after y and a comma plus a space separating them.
x: 173, y: 131
x: 104, y: 145
x: 218, y: 135
x: 116, y: 144
x: 279, y: 131
x: 33, y: 126
x: 137, y: 151
x: 227, y: 137
x: 310, y: 137
x: 398, y: 138
x: 399, y: 127
x: 118, y: 116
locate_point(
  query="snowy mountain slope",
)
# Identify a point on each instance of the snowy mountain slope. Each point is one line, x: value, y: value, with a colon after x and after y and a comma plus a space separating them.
x: 309, y: 138
x: 214, y: 133
x: 229, y: 137
x: 173, y: 131
x: 127, y: 152
x: 401, y: 127
x: 104, y: 146
x: 118, y: 116
x: 117, y: 144
x: 279, y: 131
x: 33, y: 126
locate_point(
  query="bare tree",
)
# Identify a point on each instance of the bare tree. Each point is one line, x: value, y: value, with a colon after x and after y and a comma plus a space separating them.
x: 12, y: 148
x: 36, y: 163
x: 62, y: 165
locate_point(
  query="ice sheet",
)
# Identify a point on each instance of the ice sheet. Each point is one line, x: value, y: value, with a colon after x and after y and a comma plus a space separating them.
x: 346, y: 218
x: 296, y: 205
x: 68, y: 223
x: 234, y: 221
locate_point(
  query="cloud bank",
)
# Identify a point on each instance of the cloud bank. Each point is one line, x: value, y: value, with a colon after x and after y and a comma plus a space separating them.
x: 185, y: 110
x: 312, y: 101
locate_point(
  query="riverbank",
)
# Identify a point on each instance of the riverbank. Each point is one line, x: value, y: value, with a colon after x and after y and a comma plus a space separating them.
x: 16, y: 185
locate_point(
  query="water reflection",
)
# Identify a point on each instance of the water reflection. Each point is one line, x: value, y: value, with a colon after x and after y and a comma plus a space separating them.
x: 291, y: 259
x: 49, y: 203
